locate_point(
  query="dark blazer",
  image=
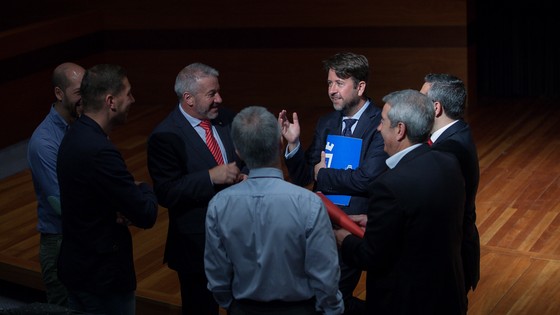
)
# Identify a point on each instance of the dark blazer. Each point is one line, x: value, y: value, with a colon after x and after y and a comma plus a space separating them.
x: 345, y: 182
x: 178, y: 162
x: 95, y: 185
x: 457, y: 139
x: 412, y: 243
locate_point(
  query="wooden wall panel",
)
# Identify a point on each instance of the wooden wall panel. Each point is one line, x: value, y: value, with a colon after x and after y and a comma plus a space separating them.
x: 402, y: 39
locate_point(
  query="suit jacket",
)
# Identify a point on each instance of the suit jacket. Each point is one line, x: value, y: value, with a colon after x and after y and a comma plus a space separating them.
x: 457, y: 139
x: 412, y: 243
x: 95, y: 185
x: 178, y: 162
x: 345, y: 182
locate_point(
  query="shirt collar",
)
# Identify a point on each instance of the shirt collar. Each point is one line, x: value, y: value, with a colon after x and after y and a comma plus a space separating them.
x: 193, y: 121
x: 438, y: 132
x: 57, y: 119
x: 393, y: 160
x: 266, y: 172
x: 360, y: 112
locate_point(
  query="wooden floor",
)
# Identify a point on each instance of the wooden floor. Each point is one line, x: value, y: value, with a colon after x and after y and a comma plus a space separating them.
x: 518, y: 206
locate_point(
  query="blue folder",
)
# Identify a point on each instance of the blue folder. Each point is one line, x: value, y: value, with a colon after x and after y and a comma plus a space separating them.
x: 342, y: 153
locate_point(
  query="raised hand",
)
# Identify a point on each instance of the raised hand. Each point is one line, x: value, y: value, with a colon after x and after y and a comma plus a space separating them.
x: 290, y: 131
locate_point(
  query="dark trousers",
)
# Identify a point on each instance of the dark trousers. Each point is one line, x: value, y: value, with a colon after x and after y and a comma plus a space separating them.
x: 349, y: 279
x: 49, y: 248
x: 196, y: 299
x: 248, y: 307
x: 110, y: 304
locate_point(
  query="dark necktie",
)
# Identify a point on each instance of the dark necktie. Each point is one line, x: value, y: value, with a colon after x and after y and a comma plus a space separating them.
x: 211, y: 142
x: 348, y: 123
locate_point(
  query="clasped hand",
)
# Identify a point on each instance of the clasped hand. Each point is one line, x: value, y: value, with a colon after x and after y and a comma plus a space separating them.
x: 226, y: 174
x: 340, y: 234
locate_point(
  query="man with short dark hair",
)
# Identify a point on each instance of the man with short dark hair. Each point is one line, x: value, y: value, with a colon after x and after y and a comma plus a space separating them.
x: 99, y: 198
x: 355, y: 116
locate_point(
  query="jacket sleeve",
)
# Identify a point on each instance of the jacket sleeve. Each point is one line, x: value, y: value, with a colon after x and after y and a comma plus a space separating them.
x: 355, y: 181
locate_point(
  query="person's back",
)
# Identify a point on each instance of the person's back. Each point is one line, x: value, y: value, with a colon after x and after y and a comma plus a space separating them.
x: 422, y: 260
x: 269, y: 243
x: 90, y: 220
x: 271, y: 230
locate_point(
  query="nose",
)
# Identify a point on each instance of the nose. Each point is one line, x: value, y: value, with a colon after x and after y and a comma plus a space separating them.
x: 332, y: 89
x: 217, y: 98
x: 132, y: 98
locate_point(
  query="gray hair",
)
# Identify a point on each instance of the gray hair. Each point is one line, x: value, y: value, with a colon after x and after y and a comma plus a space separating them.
x: 450, y: 91
x: 188, y: 77
x: 415, y: 110
x: 256, y: 136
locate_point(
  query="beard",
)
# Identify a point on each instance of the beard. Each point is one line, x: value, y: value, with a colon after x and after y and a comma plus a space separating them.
x: 346, y: 106
x: 210, y: 113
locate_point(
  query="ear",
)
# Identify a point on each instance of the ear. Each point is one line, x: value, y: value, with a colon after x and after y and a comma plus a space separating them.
x: 110, y: 102
x: 361, y: 87
x: 438, y: 108
x: 58, y: 93
x: 188, y: 99
x: 401, y: 131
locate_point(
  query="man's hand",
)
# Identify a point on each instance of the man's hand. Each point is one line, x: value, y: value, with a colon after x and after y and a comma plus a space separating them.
x: 360, y: 219
x: 225, y: 174
x: 290, y: 131
x: 340, y: 235
x: 241, y: 177
x: 320, y: 165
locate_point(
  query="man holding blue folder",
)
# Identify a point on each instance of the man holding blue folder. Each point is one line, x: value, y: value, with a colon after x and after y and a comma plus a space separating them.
x: 355, y: 116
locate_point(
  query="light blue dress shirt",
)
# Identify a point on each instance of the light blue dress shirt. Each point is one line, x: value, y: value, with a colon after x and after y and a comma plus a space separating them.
x: 42, y: 152
x: 267, y: 239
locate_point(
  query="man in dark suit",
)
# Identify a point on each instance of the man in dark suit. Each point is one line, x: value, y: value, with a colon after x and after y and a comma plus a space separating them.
x: 452, y: 134
x: 413, y: 229
x: 347, y: 78
x: 187, y: 175
x: 99, y: 198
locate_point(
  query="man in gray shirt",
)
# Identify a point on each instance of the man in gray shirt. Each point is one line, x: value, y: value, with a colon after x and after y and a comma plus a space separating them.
x: 269, y: 243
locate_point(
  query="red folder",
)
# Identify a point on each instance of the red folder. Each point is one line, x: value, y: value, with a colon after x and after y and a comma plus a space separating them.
x: 340, y: 218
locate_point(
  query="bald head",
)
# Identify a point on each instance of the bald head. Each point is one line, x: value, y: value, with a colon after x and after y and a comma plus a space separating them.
x: 66, y: 80
x: 65, y: 73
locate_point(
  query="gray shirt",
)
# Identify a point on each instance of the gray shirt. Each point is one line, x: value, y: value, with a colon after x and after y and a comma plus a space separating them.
x: 267, y: 239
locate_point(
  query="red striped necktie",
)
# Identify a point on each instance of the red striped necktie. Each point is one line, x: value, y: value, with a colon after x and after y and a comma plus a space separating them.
x: 211, y: 141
